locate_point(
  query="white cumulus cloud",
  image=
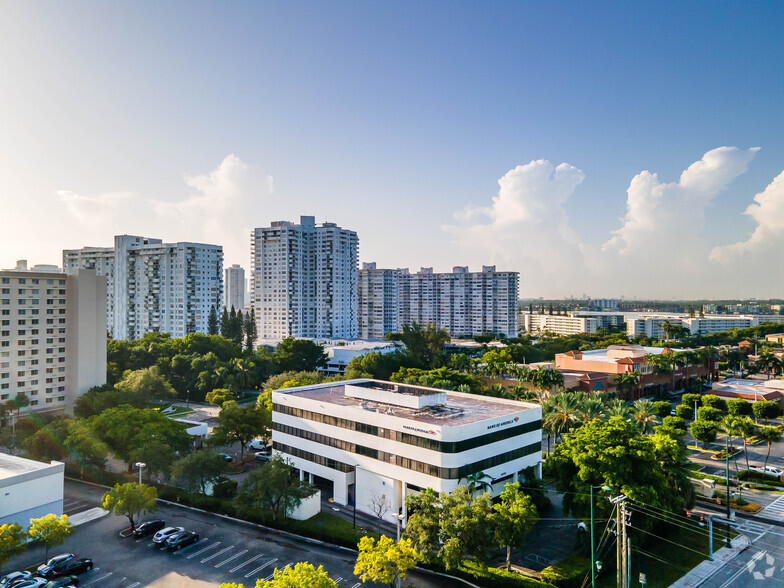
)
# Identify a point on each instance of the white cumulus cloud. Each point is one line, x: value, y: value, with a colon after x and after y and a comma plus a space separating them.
x: 93, y: 211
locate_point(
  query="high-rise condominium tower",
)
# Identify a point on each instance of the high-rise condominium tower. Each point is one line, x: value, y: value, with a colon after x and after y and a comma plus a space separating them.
x: 52, y: 335
x: 379, y: 301
x: 235, y: 288
x: 155, y: 286
x: 305, y: 280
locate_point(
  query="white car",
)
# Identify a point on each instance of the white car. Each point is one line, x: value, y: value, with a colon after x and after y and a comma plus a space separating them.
x: 770, y: 470
x: 162, y: 535
x: 34, y: 582
x: 13, y: 576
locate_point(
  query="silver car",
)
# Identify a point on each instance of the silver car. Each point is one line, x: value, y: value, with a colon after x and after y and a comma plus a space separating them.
x: 162, y: 535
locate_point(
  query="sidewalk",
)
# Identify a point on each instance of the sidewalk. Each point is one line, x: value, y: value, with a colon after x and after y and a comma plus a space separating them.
x: 707, y: 568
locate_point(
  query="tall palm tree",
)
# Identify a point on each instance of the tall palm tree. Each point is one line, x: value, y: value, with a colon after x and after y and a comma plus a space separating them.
x: 746, y: 429
x: 645, y: 417
x: 731, y: 426
x: 769, y: 435
x: 626, y: 382
x: 768, y: 363
x: 548, y: 422
x: 592, y: 409
x: 619, y: 408
x: 565, y: 414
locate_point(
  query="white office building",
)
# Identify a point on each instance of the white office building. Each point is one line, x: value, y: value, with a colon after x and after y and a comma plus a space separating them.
x: 368, y: 439
x: 155, y: 286
x: 379, y: 301
x: 558, y: 324
x: 235, y: 285
x: 52, y: 335
x: 30, y: 489
x: 305, y: 280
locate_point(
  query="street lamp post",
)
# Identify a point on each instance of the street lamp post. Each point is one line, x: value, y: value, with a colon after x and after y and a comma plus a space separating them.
x: 141, y: 466
x: 593, y: 552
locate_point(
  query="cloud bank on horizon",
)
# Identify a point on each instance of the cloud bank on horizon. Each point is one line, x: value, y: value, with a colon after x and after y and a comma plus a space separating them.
x: 661, y: 249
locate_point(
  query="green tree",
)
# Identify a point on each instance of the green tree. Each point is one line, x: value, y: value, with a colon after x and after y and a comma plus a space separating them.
x: 140, y: 387
x: 769, y: 435
x: 273, y: 487
x: 384, y: 560
x: 299, y: 355
x: 707, y: 413
x: 129, y: 500
x: 11, y: 542
x: 84, y: 446
x: 157, y: 455
x: 477, y: 483
x: 48, y: 442
x: 738, y: 407
x: 199, y: 468
x: 662, y: 408
x: 50, y: 530
x: 220, y: 395
x: 213, y: 327
x: 626, y: 383
x: 424, y: 345
x: 684, y: 411
x: 424, y: 522
x: 675, y: 422
x: 241, y: 424
x: 302, y: 575
x: 17, y: 403
x: 714, y: 401
x: 515, y: 516
x: 768, y: 363
x: 645, y: 416
x: 746, y: 429
x: 705, y: 431
x: 614, y: 454
x: 765, y: 409
x: 250, y: 328
x: 225, y: 325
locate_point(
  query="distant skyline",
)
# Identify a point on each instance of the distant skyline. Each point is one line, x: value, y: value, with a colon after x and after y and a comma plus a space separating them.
x: 615, y: 149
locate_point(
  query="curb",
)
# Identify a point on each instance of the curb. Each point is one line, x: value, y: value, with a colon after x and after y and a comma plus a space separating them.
x: 741, y: 514
x: 353, y: 552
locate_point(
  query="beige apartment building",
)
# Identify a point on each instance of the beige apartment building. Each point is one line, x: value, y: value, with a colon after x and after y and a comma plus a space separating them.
x: 52, y: 335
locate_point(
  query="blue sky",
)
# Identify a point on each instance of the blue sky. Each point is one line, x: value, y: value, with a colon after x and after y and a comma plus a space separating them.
x: 198, y: 121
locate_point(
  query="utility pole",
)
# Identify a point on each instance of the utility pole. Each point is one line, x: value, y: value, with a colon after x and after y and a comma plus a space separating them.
x: 622, y: 567
x: 626, y: 564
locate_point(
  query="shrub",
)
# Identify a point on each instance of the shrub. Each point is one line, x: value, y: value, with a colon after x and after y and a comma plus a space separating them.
x: 738, y: 407
x: 684, y: 411
x: 568, y: 573
x: 714, y: 401
x: 675, y: 422
x: 752, y: 475
x: 662, y: 408
x: 690, y: 399
x: 225, y: 488
x: 707, y: 413
x: 765, y: 409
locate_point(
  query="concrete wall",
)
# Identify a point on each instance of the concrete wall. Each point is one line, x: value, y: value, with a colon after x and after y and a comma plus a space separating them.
x: 309, y: 507
x: 31, y: 493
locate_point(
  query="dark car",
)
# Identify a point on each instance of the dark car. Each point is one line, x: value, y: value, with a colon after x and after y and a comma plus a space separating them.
x: 149, y: 527
x: 63, y: 582
x: 72, y: 566
x: 180, y: 540
x: 43, y: 569
x: 226, y: 457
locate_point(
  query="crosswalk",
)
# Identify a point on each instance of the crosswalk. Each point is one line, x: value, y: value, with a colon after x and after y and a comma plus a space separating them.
x: 775, y: 510
x: 753, y: 529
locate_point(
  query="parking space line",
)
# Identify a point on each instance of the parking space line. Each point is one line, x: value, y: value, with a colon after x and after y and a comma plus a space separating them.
x: 242, y: 565
x: 244, y: 551
x: 261, y: 567
x: 99, y: 579
x: 272, y: 575
x: 134, y: 585
x: 339, y: 580
x: 190, y: 547
x: 195, y: 553
x: 217, y: 553
x: 357, y: 585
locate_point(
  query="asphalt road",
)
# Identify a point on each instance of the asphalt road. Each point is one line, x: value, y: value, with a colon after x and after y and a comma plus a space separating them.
x: 226, y: 552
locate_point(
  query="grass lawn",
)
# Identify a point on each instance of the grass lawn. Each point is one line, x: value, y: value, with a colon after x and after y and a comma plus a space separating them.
x: 329, y: 527
x: 659, y: 559
x: 176, y: 412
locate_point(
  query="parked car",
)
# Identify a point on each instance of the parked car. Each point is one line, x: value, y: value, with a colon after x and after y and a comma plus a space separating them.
x: 258, y: 444
x: 33, y: 582
x: 14, y: 578
x: 226, y: 457
x: 63, y: 582
x: 162, y: 535
x: 770, y: 470
x: 262, y: 456
x: 43, y: 569
x: 77, y: 565
x: 16, y: 582
x: 180, y: 540
x: 149, y: 527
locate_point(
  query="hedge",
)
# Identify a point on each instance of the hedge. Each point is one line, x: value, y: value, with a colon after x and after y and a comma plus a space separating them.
x: 568, y: 573
x: 752, y: 475
x: 494, y: 577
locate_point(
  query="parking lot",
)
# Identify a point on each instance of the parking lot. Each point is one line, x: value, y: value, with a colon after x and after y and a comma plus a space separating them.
x: 227, y: 551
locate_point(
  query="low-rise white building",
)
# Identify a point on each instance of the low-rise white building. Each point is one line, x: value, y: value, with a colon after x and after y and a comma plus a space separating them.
x: 29, y: 489
x: 369, y: 439
x: 339, y: 355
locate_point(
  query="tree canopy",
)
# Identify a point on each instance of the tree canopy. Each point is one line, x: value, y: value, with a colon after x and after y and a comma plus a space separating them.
x: 51, y: 530
x: 384, y: 560
x: 272, y: 487
x: 130, y: 499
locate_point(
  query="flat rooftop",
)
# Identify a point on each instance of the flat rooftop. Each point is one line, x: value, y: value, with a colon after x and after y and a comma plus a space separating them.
x: 460, y: 409
x: 12, y: 465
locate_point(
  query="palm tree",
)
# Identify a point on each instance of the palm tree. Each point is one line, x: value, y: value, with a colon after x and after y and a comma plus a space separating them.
x: 477, y: 482
x: 645, y: 416
x: 546, y: 379
x: 592, y: 409
x: 548, y: 422
x: 667, y: 327
x: 769, y: 435
x: 768, y: 363
x: 619, y: 408
x: 731, y: 426
x: 626, y: 382
x: 746, y: 429
x: 565, y: 414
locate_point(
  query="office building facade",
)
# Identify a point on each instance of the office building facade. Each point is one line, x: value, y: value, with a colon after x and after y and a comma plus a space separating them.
x: 304, y: 280
x: 155, y: 286
x: 52, y: 335
x: 382, y: 440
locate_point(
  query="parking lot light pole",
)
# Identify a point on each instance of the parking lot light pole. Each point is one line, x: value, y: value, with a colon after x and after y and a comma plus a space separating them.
x: 593, y: 548
x: 141, y: 466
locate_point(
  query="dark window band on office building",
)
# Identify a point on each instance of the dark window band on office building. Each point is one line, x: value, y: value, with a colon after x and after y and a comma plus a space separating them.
x: 404, y: 462
x: 409, y: 439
